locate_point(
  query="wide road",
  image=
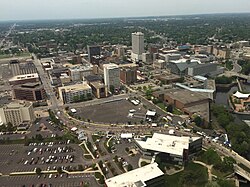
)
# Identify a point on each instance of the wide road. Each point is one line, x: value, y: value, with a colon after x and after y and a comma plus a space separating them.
x: 46, y: 83
x: 236, y: 67
x: 7, y: 34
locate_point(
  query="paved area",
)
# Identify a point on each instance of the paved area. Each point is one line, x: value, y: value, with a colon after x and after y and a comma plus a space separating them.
x: 20, y: 158
x: 59, y: 181
x: 112, y: 112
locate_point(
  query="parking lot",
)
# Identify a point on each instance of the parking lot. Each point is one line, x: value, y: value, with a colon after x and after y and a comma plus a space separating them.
x: 46, y: 156
x: 112, y: 112
x: 44, y: 127
x: 64, y: 181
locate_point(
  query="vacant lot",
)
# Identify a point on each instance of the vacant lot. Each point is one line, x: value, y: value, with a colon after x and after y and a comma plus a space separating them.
x: 112, y: 112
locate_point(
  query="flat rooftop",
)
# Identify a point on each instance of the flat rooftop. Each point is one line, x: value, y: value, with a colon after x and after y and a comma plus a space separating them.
x: 75, y: 87
x: 135, y: 178
x: 128, y: 65
x: 184, y: 96
x: 17, y: 105
x: 166, y: 143
x: 23, y: 77
x: 98, y: 84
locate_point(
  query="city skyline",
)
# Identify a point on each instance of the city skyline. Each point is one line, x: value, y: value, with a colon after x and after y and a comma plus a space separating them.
x: 85, y: 9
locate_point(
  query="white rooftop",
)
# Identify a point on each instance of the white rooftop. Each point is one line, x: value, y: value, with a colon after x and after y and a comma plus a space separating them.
x: 23, y: 77
x: 132, y: 178
x: 151, y: 113
x: 167, y: 143
x: 240, y: 95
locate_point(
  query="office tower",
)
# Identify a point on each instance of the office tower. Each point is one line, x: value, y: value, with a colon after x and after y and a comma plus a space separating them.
x: 111, y: 75
x: 93, y: 51
x: 137, y: 46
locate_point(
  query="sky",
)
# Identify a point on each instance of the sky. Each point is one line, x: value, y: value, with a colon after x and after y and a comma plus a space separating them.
x: 68, y: 9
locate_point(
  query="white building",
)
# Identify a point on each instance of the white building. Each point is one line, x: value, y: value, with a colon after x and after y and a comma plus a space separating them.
x: 137, y: 46
x: 149, y: 175
x: 17, y: 113
x: 68, y: 93
x: 77, y: 73
x: 173, y: 148
x: 111, y: 75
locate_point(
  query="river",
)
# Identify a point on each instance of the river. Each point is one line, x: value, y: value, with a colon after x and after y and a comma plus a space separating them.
x: 222, y: 99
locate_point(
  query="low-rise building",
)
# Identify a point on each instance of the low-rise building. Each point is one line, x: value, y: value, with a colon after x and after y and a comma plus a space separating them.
x: 149, y: 175
x: 22, y: 79
x: 69, y: 94
x: 180, y: 67
x: 17, y: 113
x: 159, y: 64
x: 29, y: 92
x: 99, y: 89
x: 187, y: 101
x: 170, y: 148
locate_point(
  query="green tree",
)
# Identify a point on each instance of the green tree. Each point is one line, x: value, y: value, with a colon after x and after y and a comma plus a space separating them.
x: 112, y: 89
x: 59, y: 170
x: 130, y: 167
x: 198, y: 121
x: 170, y: 108
x: 38, y: 171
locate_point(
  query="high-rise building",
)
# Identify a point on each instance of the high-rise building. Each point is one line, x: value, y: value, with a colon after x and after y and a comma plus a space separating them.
x: 111, y: 75
x: 137, y: 46
x: 93, y: 51
x: 17, y: 113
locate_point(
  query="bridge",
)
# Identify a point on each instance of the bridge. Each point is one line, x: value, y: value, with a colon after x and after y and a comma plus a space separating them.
x: 234, y: 74
x: 238, y: 170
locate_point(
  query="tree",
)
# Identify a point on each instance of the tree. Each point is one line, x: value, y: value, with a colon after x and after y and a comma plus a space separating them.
x: 198, y: 121
x: 130, y: 167
x: 9, y: 127
x: 170, y: 108
x: 39, y: 137
x: 112, y: 89
x: 59, y: 170
x: 38, y: 171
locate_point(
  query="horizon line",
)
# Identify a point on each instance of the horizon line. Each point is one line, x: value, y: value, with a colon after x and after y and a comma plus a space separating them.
x: 122, y: 17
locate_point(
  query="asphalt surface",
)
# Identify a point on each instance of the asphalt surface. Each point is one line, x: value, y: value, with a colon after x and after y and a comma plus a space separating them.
x: 112, y: 112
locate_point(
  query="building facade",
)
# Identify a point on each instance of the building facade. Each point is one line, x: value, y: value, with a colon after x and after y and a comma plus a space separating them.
x: 137, y: 46
x: 29, y: 92
x: 128, y: 73
x: 111, y: 75
x: 69, y: 94
x: 93, y: 51
x: 17, y: 113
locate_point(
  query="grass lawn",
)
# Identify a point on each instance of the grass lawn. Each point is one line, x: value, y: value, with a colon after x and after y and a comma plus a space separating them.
x: 219, y: 173
x: 162, y: 106
x: 95, y: 137
x: 177, y: 112
x: 193, y: 175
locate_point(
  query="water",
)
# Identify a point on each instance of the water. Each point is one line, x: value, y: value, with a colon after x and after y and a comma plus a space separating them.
x: 222, y: 99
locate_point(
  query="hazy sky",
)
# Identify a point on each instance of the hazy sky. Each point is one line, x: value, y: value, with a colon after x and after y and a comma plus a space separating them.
x: 60, y: 9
